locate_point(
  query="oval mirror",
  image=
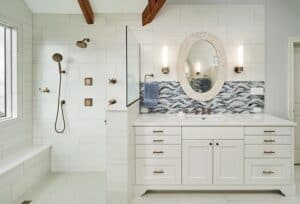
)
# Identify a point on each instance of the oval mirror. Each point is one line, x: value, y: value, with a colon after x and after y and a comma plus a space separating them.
x: 202, y: 66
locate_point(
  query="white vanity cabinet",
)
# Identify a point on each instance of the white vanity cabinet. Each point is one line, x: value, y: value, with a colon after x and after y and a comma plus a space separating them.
x: 228, y: 165
x: 210, y: 160
x: 158, y: 155
x: 232, y: 156
x: 197, y: 161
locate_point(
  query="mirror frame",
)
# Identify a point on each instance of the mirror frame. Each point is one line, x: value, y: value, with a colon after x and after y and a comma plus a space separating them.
x: 183, y: 55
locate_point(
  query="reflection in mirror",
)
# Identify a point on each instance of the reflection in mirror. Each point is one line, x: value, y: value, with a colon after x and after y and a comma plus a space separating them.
x: 201, y: 66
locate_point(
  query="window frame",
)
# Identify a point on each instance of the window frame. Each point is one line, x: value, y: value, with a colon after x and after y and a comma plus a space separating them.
x: 14, y: 75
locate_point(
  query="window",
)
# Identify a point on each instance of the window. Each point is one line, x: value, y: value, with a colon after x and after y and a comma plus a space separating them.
x: 7, y: 64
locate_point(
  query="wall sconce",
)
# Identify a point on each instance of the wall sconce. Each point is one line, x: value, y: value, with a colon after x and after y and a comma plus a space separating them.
x: 165, y: 57
x: 240, y: 68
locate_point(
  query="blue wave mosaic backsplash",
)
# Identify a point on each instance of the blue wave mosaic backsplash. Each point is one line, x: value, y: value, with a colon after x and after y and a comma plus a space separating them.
x: 234, y: 98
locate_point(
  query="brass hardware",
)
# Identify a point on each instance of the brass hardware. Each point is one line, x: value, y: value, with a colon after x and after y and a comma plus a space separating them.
x: 83, y: 43
x: 238, y: 70
x: 269, y: 131
x: 147, y: 75
x: 44, y: 90
x: 112, y: 101
x: 158, y: 152
x: 268, y: 172
x: 157, y: 131
x: 88, y: 81
x: 158, y: 172
x: 112, y: 81
x: 165, y: 70
x: 269, y: 141
x: 88, y: 102
x: 158, y: 140
x: 269, y: 152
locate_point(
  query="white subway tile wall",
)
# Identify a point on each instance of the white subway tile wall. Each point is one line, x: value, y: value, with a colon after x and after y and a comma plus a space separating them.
x: 232, y: 24
x: 81, y: 148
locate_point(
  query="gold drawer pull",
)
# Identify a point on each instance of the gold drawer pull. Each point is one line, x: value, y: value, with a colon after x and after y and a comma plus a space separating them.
x: 268, y: 172
x: 158, y: 140
x: 158, y: 172
x: 157, y: 131
x: 269, y: 141
x: 158, y: 152
x: 269, y: 152
x: 269, y: 131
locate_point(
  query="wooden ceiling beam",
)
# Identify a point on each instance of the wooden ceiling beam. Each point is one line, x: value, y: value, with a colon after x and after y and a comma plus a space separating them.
x: 87, y: 11
x: 152, y: 10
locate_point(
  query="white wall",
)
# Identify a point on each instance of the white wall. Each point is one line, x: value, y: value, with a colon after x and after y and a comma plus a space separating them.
x: 282, y: 22
x: 120, y: 173
x: 232, y: 24
x: 19, y: 132
x: 82, y: 146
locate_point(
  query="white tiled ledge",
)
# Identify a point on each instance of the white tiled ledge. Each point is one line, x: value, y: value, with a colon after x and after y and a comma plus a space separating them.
x: 21, y: 156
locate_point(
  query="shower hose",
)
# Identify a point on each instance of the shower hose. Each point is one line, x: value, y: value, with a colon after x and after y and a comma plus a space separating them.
x: 60, y: 106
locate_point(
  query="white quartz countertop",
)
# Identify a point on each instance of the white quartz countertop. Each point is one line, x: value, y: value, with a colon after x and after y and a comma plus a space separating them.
x: 211, y: 120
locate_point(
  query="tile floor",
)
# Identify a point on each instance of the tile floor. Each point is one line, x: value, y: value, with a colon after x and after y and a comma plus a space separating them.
x: 79, y: 188
x: 68, y: 188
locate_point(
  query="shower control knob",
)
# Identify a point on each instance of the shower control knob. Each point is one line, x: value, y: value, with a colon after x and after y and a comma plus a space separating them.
x: 112, y: 101
x: 112, y: 81
x: 44, y: 90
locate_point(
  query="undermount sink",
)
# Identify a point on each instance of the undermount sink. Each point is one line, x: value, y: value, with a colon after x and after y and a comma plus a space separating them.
x: 204, y: 117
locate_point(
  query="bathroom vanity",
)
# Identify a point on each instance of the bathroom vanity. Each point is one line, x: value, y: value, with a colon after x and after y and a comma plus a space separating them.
x: 214, y: 152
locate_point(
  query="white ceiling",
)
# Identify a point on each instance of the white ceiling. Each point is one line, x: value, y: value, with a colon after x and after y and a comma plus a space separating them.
x: 114, y: 6
x: 99, y: 6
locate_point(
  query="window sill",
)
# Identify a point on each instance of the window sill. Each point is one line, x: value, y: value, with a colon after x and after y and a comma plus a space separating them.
x: 5, y: 122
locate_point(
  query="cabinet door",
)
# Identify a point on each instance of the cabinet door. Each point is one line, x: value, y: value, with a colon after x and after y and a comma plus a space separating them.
x: 197, y: 162
x: 228, y: 161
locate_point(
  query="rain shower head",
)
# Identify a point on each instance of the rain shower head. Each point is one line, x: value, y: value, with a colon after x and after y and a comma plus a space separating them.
x: 82, y: 43
x: 57, y: 57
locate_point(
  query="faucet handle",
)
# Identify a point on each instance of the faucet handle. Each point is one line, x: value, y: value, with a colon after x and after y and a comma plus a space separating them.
x: 206, y: 111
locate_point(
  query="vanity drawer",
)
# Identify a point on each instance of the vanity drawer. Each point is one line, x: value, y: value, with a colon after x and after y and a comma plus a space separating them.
x: 158, y: 140
x: 157, y: 131
x: 158, y: 171
x: 267, y: 171
x: 268, y: 131
x: 158, y: 151
x: 268, y: 151
x: 268, y: 140
x: 194, y: 133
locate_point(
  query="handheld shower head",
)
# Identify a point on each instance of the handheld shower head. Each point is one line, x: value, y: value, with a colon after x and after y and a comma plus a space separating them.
x: 82, y: 43
x: 57, y: 57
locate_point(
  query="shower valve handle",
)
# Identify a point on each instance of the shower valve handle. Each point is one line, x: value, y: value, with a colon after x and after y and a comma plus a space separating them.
x: 112, y: 81
x: 112, y: 101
